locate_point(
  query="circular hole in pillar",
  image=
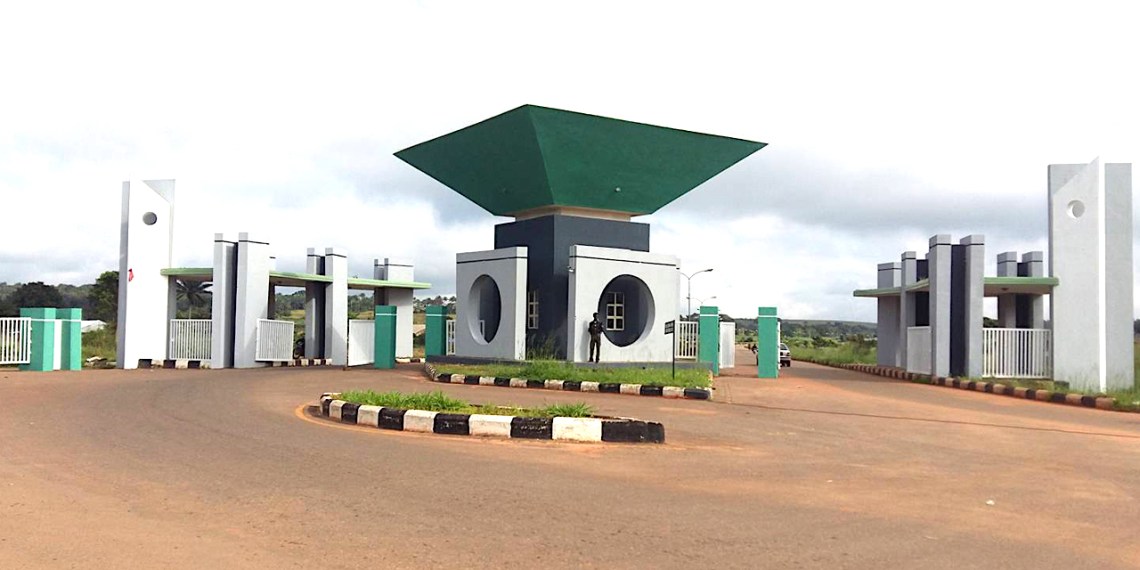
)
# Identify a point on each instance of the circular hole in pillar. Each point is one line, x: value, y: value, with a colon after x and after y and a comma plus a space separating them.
x: 150, y: 218
x: 1076, y: 209
x: 625, y: 309
x: 484, y: 307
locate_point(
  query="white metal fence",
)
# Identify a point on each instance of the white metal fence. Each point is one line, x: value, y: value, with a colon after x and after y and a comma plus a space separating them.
x: 727, y: 345
x: 450, y: 342
x: 15, y: 340
x: 361, y: 342
x: 190, y: 339
x: 274, y: 340
x: 1017, y: 353
x: 918, y: 349
x: 687, y: 336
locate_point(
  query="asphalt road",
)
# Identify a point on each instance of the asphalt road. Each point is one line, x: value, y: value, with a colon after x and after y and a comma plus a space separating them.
x: 821, y: 469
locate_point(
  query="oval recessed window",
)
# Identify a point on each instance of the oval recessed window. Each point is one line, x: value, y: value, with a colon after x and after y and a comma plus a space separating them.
x: 1076, y: 209
x: 150, y: 218
x: 484, y: 307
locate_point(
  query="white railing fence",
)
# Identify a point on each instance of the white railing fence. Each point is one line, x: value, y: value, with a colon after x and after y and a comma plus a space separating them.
x: 450, y: 342
x: 727, y: 345
x: 687, y: 336
x: 190, y: 339
x: 361, y: 342
x: 15, y: 340
x: 1017, y: 353
x: 274, y: 340
x: 918, y: 349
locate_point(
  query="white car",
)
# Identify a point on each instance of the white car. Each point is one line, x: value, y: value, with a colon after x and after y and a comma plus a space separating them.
x: 785, y: 355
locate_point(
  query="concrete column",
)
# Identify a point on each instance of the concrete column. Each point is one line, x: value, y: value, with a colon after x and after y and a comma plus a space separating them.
x: 1090, y: 253
x: 71, y: 338
x: 907, y: 314
x: 251, y: 282
x: 314, y: 307
x: 767, y: 343
x: 435, y: 330
x: 1007, y: 304
x: 385, y: 337
x: 973, y: 294
x: 938, y: 266
x: 43, y: 339
x: 336, y: 307
x: 399, y: 297
x: 145, y: 241
x: 708, y: 350
x: 224, y: 292
x: 890, y: 275
x: 1033, y: 306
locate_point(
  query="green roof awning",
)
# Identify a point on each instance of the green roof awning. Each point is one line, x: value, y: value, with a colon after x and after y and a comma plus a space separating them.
x: 536, y: 157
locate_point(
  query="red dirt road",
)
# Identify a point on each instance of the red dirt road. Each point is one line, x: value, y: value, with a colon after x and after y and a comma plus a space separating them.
x: 823, y: 468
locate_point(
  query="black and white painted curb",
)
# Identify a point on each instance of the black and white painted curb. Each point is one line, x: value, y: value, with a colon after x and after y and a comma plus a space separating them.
x: 570, y: 385
x: 205, y: 364
x: 409, y: 360
x: 617, y: 430
x: 179, y: 364
x: 303, y: 362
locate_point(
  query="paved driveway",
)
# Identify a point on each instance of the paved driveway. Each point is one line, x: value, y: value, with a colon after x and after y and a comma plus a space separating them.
x: 823, y: 468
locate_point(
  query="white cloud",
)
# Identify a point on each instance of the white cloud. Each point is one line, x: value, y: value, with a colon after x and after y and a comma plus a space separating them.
x: 888, y: 122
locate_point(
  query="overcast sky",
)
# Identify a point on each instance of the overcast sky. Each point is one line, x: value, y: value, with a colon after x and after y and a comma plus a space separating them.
x: 886, y: 123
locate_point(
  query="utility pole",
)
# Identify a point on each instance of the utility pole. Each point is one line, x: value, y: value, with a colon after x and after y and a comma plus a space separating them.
x: 689, y: 295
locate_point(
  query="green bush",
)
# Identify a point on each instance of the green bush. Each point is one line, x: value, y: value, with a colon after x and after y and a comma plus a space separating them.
x: 561, y: 370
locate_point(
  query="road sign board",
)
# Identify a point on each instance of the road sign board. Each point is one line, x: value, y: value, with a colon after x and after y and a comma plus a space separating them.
x: 669, y: 326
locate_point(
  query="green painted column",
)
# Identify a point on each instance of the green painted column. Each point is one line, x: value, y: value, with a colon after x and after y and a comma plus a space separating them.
x: 435, y: 331
x: 43, y: 339
x: 71, y: 340
x: 709, y: 349
x: 767, y: 343
x: 385, y: 347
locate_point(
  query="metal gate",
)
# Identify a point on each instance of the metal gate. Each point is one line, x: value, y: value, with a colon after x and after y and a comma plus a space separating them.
x: 15, y: 340
x: 688, y: 339
x: 190, y: 339
x: 361, y: 342
x: 727, y: 345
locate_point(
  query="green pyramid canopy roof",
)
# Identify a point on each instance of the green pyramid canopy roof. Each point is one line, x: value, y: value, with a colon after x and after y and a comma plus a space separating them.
x: 536, y: 157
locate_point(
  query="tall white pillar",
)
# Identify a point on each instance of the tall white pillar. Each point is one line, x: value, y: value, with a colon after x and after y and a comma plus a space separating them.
x: 250, y: 300
x: 938, y: 267
x: 314, y: 306
x: 145, y: 242
x: 1007, y: 303
x: 336, y: 307
x: 223, y: 292
x: 890, y: 275
x: 1090, y: 253
x: 907, y: 313
x: 399, y: 297
x: 973, y: 303
x: 1033, y: 265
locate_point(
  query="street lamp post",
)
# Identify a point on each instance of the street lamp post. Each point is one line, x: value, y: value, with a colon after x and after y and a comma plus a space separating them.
x: 689, y: 295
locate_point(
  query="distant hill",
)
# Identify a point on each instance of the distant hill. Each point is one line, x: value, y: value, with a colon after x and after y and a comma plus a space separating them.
x: 811, y: 328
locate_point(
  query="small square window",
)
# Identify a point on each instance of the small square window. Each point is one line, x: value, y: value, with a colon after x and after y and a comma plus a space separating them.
x: 615, y: 311
x: 532, y: 310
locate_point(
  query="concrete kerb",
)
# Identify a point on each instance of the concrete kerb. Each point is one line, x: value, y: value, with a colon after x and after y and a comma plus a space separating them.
x: 612, y: 430
x: 145, y: 363
x: 1048, y: 396
x: 570, y: 385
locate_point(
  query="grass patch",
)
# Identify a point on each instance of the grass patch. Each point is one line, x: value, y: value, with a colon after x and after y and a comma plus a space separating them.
x: 100, y: 343
x: 846, y: 353
x: 560, y: 370
x: 440, y: 402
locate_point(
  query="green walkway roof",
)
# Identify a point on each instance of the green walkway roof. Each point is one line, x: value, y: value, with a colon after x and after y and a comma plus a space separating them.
x: 292, y: 279
x: 536, y: 157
